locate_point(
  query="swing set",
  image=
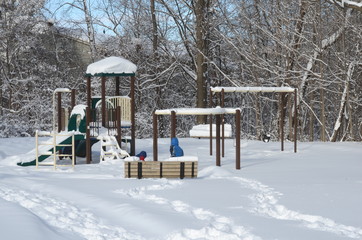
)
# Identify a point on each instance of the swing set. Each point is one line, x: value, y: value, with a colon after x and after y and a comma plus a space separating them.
x: 280, y: 90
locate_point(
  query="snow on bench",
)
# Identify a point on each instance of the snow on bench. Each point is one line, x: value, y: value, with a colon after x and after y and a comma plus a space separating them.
x: 175, y: 167
x: 203, y: 131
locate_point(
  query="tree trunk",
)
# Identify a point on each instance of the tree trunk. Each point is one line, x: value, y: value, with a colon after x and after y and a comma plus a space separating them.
x: 311, y: 119
x: 201, y: 94
x: 90, y: 31
x: 323, y: 116
x: 154, y: 30
x: 338, y: 123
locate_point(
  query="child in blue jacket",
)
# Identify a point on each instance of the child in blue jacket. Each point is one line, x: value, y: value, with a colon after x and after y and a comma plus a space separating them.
x: 175, y: 149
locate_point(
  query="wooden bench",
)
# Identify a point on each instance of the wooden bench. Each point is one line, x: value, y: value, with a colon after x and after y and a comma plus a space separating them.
x: 161, y: 169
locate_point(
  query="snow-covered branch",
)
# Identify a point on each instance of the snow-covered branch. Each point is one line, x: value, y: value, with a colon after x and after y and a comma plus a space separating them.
x: 325, y: 43
x: 348, y: 4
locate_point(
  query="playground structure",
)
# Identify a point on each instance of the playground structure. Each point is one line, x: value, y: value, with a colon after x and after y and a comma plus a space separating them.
x: 281, y: 90
x: 218, y: 112
x: 102, y: 119
x: 111, y: 112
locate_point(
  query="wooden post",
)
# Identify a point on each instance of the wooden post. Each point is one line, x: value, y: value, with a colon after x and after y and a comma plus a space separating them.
x: 59, y: 111
x: 117, y: 87
x: 89, y: 92
x: 72, y: 102
x: 88, y: 142
x: 173, y: 124
x: 237, y: 136
x: 222, y: 124
x: 210, y: 121
x: 218, y: 163
x: 133, y: 121
x: 282, y: 121
x: 295, y: 119
x: 103, y: 96
x: 155, y: 138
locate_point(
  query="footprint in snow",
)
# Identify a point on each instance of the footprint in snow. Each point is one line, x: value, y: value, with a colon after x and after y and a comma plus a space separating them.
x: 62, y: 214
x: 216, y: 226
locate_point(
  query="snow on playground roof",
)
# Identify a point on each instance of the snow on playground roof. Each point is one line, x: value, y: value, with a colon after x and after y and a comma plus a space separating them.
x: 197, y: 111
x: 253, y: 89
x: 79, y: 110
x: 112, y: 66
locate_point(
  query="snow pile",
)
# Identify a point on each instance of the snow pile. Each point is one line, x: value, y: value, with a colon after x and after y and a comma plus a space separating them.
x: 203, y: 130
x: 112, y: 65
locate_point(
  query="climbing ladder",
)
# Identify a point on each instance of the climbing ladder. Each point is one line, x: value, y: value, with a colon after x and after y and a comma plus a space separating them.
x: 110, y: 149
x: 52, y: 147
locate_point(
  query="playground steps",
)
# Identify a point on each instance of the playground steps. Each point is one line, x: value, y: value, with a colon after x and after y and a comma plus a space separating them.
x: 110, y: 149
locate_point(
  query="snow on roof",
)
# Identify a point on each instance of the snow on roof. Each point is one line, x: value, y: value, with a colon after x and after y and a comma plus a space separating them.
x: 112, y: 66
x: 253, y: 89
x: 197, y: 111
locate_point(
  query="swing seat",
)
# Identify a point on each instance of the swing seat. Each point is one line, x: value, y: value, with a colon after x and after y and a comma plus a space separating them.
x: 203, y: 131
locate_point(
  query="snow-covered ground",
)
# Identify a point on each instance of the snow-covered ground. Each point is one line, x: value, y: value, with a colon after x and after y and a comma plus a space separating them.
x: 313, y: 194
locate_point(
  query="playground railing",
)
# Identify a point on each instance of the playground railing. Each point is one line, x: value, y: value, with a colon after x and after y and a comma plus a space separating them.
x: 52, y: 148
x: 124, y: 103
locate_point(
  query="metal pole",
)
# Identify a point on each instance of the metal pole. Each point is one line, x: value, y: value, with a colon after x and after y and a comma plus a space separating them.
x: 155, y: 138
x: 72, y: 102
x: 282, y: 121
x: 88, y: 143
x: 117, y: 86
x: 218, y: 162
x: 237, y: 136
x: 295, y: 119
x: 222, y: 124
x: 173, y: 124
x: 119, y: 132
x: 133, y: 120
x: 210, y: 121
x: 59, y: 111
x: 89, y: 92
x: 103, y: 93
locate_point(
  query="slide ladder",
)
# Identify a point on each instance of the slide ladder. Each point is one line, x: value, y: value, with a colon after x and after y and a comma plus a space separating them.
x: 110, y: 149
x: 45, y: 149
